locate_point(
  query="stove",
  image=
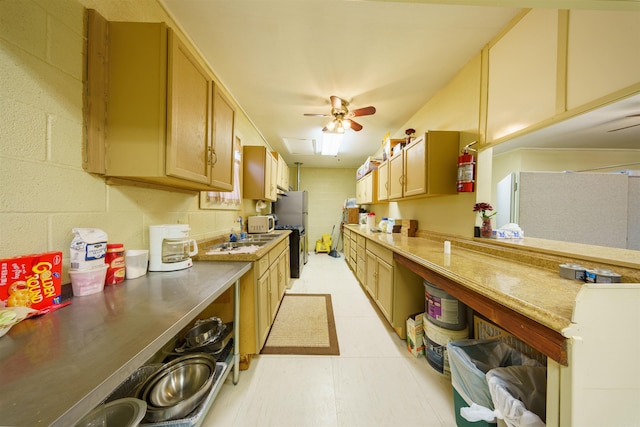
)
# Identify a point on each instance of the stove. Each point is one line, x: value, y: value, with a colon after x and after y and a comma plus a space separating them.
x: 297, y: 248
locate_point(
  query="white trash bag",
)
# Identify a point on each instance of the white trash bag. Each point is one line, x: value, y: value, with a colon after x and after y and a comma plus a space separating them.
x: 519, y: 394
x: 470, y: 360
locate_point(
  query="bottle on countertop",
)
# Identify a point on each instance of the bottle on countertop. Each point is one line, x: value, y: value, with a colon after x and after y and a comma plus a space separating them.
x: 371, y: 220
x: 390, y: 223
x: 383, y: 225
x: 114, y: 259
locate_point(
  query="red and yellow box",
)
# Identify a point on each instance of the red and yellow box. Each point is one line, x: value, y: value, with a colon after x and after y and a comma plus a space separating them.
x: 33, y: 281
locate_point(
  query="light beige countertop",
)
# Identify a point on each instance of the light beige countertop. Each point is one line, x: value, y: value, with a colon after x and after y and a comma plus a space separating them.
x: 537, y: 293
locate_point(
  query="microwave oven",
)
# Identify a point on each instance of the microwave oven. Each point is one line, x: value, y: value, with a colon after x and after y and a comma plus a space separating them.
x: 261, y: 224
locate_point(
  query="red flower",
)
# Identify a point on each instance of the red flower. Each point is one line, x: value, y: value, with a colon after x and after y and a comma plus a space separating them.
x: 409, y: 131
x: 483, y: 207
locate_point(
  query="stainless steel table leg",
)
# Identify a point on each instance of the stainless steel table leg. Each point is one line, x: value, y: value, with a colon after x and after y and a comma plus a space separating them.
x: 236, y: 333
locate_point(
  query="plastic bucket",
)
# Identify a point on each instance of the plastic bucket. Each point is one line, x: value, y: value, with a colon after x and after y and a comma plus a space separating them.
x: 443, y: 309
x: 435, y: 344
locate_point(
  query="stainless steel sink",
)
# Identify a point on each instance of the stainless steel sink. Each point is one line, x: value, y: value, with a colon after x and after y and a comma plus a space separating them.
x: 228, y: 246
x: 251, y: 240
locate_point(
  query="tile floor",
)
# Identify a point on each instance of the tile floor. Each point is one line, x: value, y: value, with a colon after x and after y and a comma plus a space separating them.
x: 374, y: 382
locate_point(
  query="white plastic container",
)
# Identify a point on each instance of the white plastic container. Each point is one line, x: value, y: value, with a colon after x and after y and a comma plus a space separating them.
x: 390, y: 223
x: 371, y: 220
x: 87, y: 282
x: 135, y: 263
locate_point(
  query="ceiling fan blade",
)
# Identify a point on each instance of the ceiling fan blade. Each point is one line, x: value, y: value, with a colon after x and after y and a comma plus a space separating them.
x: 622, y: 128
x: 336, y: 102
x: 355, y: 126
x: 317, y: 115
x: 365, y: 111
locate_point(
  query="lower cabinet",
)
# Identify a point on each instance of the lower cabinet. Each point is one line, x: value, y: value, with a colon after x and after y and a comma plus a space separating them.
x: 397, y: 291
x: 261, y: 291
x: 379, y: 277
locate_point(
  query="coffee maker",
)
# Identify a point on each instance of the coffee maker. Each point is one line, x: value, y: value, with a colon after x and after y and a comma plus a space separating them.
x: 170, y: 247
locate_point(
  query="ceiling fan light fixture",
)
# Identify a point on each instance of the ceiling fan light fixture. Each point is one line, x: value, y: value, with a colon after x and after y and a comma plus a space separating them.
x: 346, y: 123
x: 331, y: 125
x: 331, y: 143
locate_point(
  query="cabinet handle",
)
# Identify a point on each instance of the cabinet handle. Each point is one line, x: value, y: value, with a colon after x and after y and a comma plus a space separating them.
x: 214, y: 157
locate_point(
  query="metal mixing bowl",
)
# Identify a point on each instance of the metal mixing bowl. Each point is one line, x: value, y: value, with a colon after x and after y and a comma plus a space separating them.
x: 203, y: 331
x: 178, y: 387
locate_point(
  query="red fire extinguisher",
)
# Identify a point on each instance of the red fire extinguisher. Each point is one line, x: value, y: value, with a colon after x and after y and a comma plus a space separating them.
x: 466, y: 169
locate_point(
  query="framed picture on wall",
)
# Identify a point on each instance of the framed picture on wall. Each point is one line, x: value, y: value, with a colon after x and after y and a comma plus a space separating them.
x: 226, y: 200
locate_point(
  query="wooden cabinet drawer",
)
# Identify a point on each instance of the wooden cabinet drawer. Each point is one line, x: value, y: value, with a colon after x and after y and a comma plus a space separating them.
x: 361, y: 240
x: 275, y: 252
x: 380, y: 251
x: 262, y: 265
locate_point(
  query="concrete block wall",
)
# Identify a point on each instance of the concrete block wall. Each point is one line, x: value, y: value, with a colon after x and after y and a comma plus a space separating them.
x: 44, y: 191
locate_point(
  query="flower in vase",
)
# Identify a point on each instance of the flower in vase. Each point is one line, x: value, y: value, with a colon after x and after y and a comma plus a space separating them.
x: 483, y: 208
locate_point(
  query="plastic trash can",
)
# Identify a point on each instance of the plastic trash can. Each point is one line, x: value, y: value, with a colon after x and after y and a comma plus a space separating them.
x: 469, y: 361
x: 519, y: 394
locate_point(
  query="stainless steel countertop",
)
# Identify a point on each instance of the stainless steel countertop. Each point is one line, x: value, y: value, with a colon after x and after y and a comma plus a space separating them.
x: 56, y: 368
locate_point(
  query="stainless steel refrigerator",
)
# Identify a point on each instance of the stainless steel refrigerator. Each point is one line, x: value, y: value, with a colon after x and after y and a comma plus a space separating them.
x: 292, y: 210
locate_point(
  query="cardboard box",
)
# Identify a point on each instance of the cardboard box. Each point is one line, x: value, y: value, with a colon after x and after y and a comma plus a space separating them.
x: 353, y: 215
x: 415, y: 342
x: 33, y: 281
x: 409, y: 227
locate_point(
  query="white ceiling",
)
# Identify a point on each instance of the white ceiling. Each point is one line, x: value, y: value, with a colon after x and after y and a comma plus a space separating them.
x: 283, y: 58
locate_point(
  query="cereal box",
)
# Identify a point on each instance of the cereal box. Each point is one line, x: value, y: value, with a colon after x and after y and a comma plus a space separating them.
x: 415, y: 343
x: 31, y: 280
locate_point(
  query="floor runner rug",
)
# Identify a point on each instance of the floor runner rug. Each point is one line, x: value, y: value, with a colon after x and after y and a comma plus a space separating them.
x: 304, y: 325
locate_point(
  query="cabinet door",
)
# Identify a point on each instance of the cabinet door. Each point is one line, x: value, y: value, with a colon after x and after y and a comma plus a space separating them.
x: 188, y: 106
x: 415, y: 168
x: 264, y: 316
x: 283, y: 274
x: 360, y: 191
x: 222, y: 142
x: 259, y: 173
x: 383, y: 181
x: 385, y: 288
x: 274, y: 299
x: 396, y: 176
x: 270, y: 175
x: 372, y: 275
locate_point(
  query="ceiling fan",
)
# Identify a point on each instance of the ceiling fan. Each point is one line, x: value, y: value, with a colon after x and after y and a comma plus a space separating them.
x: 342, y: 117
x: 627, y: 127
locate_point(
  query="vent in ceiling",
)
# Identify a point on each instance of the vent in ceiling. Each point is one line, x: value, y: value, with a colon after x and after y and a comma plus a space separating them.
x: 300, y: 146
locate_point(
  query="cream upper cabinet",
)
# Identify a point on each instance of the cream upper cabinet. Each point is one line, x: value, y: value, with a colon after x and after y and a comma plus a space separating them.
x: 260, y: 173
x: 383, y: 181
x: 222, y: 143
x: 603, y: 54
x: 158, y: 114
x: 366, y: 188
x: 522, y: 75
x: 282, y: 173
x: 396, y: 176
x: 425, y: 167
